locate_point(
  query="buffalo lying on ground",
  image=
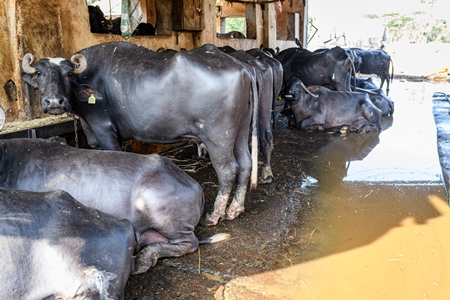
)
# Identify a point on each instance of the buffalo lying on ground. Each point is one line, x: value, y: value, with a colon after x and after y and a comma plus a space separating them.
x: 162, y: 202
x: 53, y: 247
x: 376, y: 95
x: 320, y: 108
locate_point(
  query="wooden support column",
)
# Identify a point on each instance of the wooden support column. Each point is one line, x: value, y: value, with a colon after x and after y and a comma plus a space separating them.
x: 270, y: 34
x: 163, y: 17
x: 303, y: 33
x: 259, y: 25
x: 293, y: 22
x: 250, y: 18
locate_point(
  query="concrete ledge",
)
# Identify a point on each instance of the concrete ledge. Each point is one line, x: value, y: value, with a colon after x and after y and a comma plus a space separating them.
x: 441, y: 113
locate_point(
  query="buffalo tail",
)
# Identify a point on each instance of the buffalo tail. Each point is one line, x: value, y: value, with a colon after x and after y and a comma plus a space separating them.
x: 254, y: 143
x: 215, y: 238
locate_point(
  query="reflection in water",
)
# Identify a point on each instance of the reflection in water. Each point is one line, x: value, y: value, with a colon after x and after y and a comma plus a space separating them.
x: 371, y: 208
x: 331, y: 162
x: 368, y: 184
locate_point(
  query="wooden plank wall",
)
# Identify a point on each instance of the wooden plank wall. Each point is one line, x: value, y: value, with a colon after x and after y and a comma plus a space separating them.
x: 58, y: 28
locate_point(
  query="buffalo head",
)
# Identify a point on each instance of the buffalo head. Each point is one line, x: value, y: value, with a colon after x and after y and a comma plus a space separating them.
x: 56, y: 80
x: 300, y: 98
x: 294, y: 88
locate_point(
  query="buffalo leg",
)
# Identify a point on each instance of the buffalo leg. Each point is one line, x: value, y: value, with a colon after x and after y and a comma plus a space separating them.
x: 226, y: 168
x: 265, y: 132
x: 362, y: 126
x: 384, y: 78
x: 244, y: 160
x: 313, y: 122
x: 90, y: 136
x: 148, y: 256
x: 105, y: 135
x: 167, y: 217
x: 266, y: 145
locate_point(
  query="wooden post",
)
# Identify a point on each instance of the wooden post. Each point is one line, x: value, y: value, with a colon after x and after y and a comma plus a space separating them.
x: 270, y: 39
x: 250, y: 19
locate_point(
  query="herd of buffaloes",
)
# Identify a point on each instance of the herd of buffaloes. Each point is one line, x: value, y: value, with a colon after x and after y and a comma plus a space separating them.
x: 96, y: 216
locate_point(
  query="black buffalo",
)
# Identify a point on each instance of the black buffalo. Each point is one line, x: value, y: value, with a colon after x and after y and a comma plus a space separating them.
x: 97, y: 20
x: 364, y: 83
x: 375, y: 62
x: 380, y: 100
x: 263, y: 74
x: 100, y: 24
x: 286, y: 56
x: 270, y: 51
x: 329, y: 67
x: 277, y: 71
x: 162, y: 202
x: 231, y: 35
x: 53, y: 247
x: 376, y: 95
x: 141, y: 29
x: 124, y: 91
x: 320, y: 108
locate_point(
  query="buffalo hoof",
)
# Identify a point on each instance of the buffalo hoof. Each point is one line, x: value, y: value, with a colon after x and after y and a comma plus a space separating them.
x: 266, y: 175
x: 265, y: 180
x: 140, y: 269
x: 233, y: 211
x: 210, y: 219
x: 344, y: 130
x: 142, y: 263
x: 367, y: 129
x: 145, y: 259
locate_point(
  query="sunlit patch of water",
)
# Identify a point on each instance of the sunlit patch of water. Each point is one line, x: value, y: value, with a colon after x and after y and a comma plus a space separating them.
x: 365, y: 186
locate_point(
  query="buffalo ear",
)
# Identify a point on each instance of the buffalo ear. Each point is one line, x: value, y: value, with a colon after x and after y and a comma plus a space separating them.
x: 84, y: 91
x: 30, y: 79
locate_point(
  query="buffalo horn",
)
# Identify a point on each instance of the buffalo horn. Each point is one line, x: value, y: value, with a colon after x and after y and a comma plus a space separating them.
x: 27, y: 60
x: 306, y: 90
x: 80, y: 63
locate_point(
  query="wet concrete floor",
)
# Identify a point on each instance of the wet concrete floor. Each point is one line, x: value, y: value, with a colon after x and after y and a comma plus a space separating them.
x: 347, y: 217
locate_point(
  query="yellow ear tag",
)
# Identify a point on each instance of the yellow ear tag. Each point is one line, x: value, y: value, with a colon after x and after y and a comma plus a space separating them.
x: 91, y: 99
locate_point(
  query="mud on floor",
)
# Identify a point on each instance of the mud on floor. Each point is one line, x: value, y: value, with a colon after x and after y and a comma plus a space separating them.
x: 260, y: 237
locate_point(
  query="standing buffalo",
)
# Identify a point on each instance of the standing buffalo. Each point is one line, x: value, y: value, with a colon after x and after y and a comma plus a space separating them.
x: 162, y: 202
x: 263, y: 74
x: 328, y: 67
x: 375, y: 62
x: 124, y: 91
x: 320, y: 108
x: 53, y: 247
x: 277, y: 71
